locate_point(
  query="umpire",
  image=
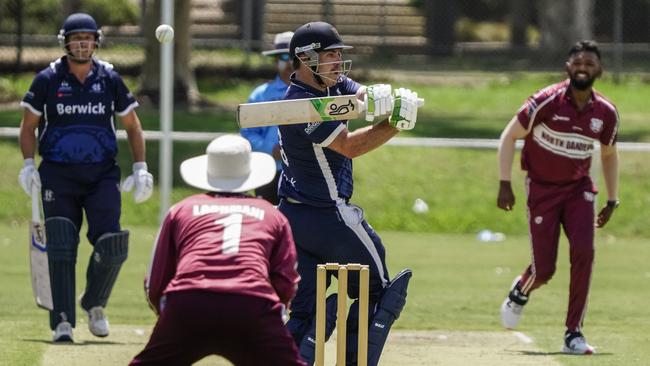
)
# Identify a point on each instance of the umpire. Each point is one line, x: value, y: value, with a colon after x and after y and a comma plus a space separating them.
x: 72, y: 102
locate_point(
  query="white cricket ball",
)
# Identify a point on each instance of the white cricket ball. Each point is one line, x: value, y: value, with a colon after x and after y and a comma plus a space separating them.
x: 164, y: 33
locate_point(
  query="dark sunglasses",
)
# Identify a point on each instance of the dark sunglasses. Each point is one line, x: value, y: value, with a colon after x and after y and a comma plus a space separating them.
x: 283, y: 56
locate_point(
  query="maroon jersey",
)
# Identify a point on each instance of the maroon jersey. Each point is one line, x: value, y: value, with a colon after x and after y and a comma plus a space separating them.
x: 561, y: 138
x: 227, y: 244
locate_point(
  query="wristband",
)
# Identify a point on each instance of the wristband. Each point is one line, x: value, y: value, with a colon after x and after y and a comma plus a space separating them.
x: 139, y: 165
x: 613, y: 203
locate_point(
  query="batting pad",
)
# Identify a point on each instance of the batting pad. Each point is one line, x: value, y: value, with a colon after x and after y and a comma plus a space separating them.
x: 389, y: 309
x: 62, y: 242
x: 111, y: 250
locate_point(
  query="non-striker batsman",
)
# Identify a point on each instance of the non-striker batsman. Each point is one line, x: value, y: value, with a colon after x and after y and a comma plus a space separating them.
x: 73, y: 103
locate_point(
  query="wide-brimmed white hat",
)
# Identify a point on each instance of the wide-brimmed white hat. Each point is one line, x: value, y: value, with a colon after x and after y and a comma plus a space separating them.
x: 229, y: 165
x: 281, y: 44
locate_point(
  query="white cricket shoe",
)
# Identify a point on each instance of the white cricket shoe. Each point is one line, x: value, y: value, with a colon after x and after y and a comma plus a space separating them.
x: 576, y: 344
x: 510, y: 309
x: 63, y: 332
x: 97, y: 321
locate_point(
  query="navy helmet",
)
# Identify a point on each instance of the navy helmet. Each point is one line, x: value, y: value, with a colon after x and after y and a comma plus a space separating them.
x: 315, y: 36
x: 77, y: 23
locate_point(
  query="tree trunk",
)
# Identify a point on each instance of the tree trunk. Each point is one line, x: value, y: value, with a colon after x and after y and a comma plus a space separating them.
x: 554, y: 20
x: 562, y: 23
x: 441, y: 21
x: 519, y: 16
x: 584, y: 19
x: 185, y: 89
x: 71, y: 6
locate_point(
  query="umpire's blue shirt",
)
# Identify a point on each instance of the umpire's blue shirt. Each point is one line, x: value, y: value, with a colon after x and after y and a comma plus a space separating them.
x: 311, y: 173
x: 265, y: 138
x: 77, y: 122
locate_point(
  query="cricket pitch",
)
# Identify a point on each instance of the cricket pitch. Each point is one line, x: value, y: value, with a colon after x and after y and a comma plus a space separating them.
x: 406, y: 348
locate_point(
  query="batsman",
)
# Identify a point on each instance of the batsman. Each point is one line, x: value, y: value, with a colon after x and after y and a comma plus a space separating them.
x: 316, y: 187
x: 72, y: 103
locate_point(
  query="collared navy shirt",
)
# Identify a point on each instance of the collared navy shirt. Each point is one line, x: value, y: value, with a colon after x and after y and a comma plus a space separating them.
x: 312, y: 173
x: 77, y: 120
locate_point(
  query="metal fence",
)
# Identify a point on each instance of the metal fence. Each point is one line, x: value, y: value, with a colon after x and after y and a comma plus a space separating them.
x: 476, y: 34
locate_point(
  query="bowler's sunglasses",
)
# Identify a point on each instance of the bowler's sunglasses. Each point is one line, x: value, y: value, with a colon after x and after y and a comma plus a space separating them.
x: 284, y: 56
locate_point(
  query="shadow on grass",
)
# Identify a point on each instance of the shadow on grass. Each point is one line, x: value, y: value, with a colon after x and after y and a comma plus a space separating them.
x: 560, y: 353
x: 78, y: 344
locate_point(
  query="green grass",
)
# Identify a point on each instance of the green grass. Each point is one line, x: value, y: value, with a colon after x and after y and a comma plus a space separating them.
x: 459, y: 185
x: 458, y: 284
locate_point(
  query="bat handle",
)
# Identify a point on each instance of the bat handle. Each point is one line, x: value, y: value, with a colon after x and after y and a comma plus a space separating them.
x: 361, y: 105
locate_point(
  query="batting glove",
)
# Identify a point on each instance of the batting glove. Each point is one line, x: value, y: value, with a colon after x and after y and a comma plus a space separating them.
x: 29, y: 177
x: 405, y: 109
x: 378, y: 100
x: 142, y: 180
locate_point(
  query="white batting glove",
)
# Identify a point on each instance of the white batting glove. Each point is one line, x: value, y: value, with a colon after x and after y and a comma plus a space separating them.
x: 142, y: 180
x: 378, y: 100
x: 405, y: 109
x: 29, y: 177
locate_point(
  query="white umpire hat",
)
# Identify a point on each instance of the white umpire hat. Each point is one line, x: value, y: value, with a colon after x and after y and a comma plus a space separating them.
x: 229, y: 165
x: 280, y: 44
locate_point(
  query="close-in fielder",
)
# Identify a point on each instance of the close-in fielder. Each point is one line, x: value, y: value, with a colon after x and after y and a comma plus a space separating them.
x: 224, y: 266
x: 72, y: 102
x: 316, y: 187
x: 265, y: 139
x: 560, y: 126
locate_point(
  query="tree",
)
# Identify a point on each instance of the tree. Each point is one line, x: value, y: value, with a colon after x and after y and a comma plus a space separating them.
x: 185, y: 89
x: 440, y: 26
x: 519, y: 18
x: 562, y: 23
x: 71, y: 6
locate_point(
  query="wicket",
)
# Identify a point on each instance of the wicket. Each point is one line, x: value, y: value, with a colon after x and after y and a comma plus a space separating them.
x: 364, y: 284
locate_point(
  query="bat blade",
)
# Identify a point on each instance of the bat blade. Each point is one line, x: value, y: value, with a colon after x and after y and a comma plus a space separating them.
x: 39, y: 267
x: 294, y: 111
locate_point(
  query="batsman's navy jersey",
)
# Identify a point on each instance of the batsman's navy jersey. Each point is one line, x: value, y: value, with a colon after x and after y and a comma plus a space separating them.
x: 77, y: 120
x: 224, y: 244
x: 312, y: 174
x: 558, y: 149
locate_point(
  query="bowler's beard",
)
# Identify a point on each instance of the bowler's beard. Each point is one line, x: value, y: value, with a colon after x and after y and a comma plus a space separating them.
x: 582, y: 84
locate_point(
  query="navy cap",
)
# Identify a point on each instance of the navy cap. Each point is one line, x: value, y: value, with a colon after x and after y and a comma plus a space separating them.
x: 77, y: 23
x: 317, y: 36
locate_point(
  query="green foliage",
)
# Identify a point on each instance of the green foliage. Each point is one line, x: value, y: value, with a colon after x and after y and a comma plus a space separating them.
x: 40, y: 16
x: 112, y: 12
x: 45, y: 16
x: 468, y: 30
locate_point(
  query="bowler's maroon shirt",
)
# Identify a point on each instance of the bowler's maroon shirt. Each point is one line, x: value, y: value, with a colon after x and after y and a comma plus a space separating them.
x: 561, y: 138
x: 227, y: 244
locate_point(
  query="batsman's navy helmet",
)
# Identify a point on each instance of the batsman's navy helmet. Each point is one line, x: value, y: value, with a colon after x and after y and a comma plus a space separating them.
x: 77, y: 23
x: 317, y: 36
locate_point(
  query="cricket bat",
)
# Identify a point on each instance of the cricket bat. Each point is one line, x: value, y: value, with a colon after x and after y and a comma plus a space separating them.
x: 40, y: 269
x: 286, y: 112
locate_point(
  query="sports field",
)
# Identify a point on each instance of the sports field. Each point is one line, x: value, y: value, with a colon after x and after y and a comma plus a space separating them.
x: 452, y: 314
